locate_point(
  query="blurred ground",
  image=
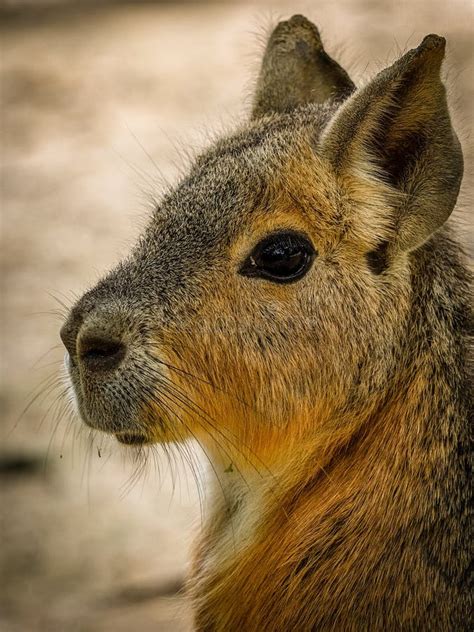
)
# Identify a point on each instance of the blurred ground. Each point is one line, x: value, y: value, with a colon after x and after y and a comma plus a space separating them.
x: 88, y: 91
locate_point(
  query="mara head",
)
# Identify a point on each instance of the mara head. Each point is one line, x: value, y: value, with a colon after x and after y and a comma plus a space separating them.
x: 271, y: 291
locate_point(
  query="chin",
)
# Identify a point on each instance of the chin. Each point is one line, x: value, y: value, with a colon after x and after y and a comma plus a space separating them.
x: 134, y: 439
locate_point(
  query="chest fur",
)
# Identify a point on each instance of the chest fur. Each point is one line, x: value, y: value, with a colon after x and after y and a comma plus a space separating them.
x: 331, y: 556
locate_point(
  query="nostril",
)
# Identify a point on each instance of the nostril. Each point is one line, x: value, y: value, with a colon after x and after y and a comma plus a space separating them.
x: 101, y: 353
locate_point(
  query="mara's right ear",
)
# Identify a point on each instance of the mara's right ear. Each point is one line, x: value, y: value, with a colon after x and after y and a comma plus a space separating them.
x: 397, y: 130
x: 297, y: 70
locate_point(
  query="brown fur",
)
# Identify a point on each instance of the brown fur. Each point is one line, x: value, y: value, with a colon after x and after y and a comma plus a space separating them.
x: 334, y: 410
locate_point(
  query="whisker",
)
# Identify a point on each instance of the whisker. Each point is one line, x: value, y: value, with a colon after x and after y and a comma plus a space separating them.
x: 44, y: 389
x: 60, y: 302
x: 61, y: 314
x: 54, y: 403
x: 161, y: 404
x: 43, y: 355
x: 150, y: 157
x: 57, y: 418
x: 200, y: 379
x: 146, y: 184
x: 194, y: 407
x: 177, y: 396
x: 48, y: 365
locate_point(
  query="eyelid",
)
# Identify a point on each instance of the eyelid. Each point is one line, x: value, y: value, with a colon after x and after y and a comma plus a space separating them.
x: 249, y: 267
x: 280, y: 232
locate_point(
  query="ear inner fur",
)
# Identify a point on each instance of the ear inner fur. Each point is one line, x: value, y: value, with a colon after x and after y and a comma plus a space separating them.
x: 397, y: 129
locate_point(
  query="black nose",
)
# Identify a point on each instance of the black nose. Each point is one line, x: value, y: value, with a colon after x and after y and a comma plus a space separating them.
x: 96, y: 347
x: 99, y: 352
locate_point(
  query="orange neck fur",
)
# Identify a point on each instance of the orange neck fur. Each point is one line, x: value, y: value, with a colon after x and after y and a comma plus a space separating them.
x: 342, y: 537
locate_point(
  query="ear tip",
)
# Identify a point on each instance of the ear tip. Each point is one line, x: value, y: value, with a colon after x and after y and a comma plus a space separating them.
x: 432, y: 42
x: 300, y: 20
x: 300, y: 23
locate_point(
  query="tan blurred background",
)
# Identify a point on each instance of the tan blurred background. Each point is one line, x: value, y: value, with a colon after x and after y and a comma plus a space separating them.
x: 100, y: 103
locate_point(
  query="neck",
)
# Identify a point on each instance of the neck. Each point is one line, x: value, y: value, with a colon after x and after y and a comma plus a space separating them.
x: 361, y: 525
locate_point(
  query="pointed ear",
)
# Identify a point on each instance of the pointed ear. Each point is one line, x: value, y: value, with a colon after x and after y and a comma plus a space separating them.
x: 397, y: 129
x: 297, y: 70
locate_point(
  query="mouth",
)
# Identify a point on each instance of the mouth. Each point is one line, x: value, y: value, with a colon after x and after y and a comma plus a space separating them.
x: 134, y: 439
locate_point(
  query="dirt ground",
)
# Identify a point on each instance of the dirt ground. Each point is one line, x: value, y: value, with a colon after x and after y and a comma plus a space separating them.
x: 99, y: 103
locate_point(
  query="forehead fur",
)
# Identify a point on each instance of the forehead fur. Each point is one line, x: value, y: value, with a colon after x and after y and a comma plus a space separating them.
x: 237, y: 172
x: 270, y: 167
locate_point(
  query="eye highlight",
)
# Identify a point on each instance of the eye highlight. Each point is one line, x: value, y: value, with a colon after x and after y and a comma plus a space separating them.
x: 282, y: 257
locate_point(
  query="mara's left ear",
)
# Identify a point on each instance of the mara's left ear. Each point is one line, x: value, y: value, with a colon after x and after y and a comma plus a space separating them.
x: 398, y: 129
x: 297, y: 70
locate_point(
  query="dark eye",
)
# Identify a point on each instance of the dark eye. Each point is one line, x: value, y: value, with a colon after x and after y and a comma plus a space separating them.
x: 282, y: 257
